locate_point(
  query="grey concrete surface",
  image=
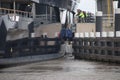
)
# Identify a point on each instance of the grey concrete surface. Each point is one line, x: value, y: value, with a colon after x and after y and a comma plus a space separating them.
x: 62, y: 69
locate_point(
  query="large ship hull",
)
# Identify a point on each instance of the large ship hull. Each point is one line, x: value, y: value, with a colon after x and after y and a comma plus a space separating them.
x: 28, y: 59
x: 29, y: 29
x: 28, y: 50
x: 17, y: 49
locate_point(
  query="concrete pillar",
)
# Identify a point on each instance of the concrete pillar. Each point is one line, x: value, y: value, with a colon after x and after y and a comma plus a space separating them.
x: 51, y: 14
x: 99, y: 15
x: 117, y: 19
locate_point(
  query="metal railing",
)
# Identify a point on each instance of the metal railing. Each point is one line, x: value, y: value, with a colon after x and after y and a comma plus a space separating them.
x: 4, y: 11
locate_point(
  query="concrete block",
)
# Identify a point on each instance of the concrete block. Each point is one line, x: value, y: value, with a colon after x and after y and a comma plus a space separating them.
x: 81, y: 35
x: 77, y: 35
x: 104, y: 34
x: 97, y: 34
x: 32, y: 35
x: 111, y: 34
x: 92, y: 34
x: 117, y: 33
x: 87, y: 34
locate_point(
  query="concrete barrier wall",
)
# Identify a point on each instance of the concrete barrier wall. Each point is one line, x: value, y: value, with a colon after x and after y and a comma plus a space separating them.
x: 102, y: 49
x: 85, y: 27
x: 97, y: 34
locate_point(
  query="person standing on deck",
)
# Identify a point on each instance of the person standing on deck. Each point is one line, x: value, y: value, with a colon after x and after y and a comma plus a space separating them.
x: 82, y: 17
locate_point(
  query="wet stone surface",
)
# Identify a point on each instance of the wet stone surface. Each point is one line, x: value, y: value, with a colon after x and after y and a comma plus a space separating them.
x: 62, y: 69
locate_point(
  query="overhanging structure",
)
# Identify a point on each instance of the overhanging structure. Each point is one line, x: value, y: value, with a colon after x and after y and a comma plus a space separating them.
x: 106, y: 6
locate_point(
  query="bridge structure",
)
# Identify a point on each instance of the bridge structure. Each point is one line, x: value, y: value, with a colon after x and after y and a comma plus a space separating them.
x: 106, y: 6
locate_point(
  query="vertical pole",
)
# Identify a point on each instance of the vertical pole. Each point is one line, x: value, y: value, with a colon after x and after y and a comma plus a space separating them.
x: 51, y: 15
x: 46, y: 14
x: 33, y: 11
x: 74, y: 23
x: 69, y: 17
x: 99, y: 15
x: 108, y: 7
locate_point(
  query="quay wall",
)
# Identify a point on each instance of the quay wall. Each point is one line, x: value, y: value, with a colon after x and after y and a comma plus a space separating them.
x: 101, y: 47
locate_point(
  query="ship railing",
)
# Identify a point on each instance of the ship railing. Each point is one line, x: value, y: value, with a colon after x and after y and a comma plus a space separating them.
x: 32, y: 47
x: 4, y: 11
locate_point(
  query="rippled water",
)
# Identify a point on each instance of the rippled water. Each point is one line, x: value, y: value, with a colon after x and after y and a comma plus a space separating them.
x: 62, y: 69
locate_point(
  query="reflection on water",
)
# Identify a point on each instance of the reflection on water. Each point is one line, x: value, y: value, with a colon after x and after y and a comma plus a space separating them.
x: 63, y: 69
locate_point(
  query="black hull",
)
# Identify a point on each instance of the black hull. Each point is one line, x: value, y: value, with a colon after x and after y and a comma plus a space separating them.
x: 30, y: 50
x: 29, y: 59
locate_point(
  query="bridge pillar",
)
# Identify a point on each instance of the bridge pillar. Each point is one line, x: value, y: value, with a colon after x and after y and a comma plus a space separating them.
x: 106, y: 6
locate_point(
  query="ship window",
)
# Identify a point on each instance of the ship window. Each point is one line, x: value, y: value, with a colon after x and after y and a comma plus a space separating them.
x: 7, y: 5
